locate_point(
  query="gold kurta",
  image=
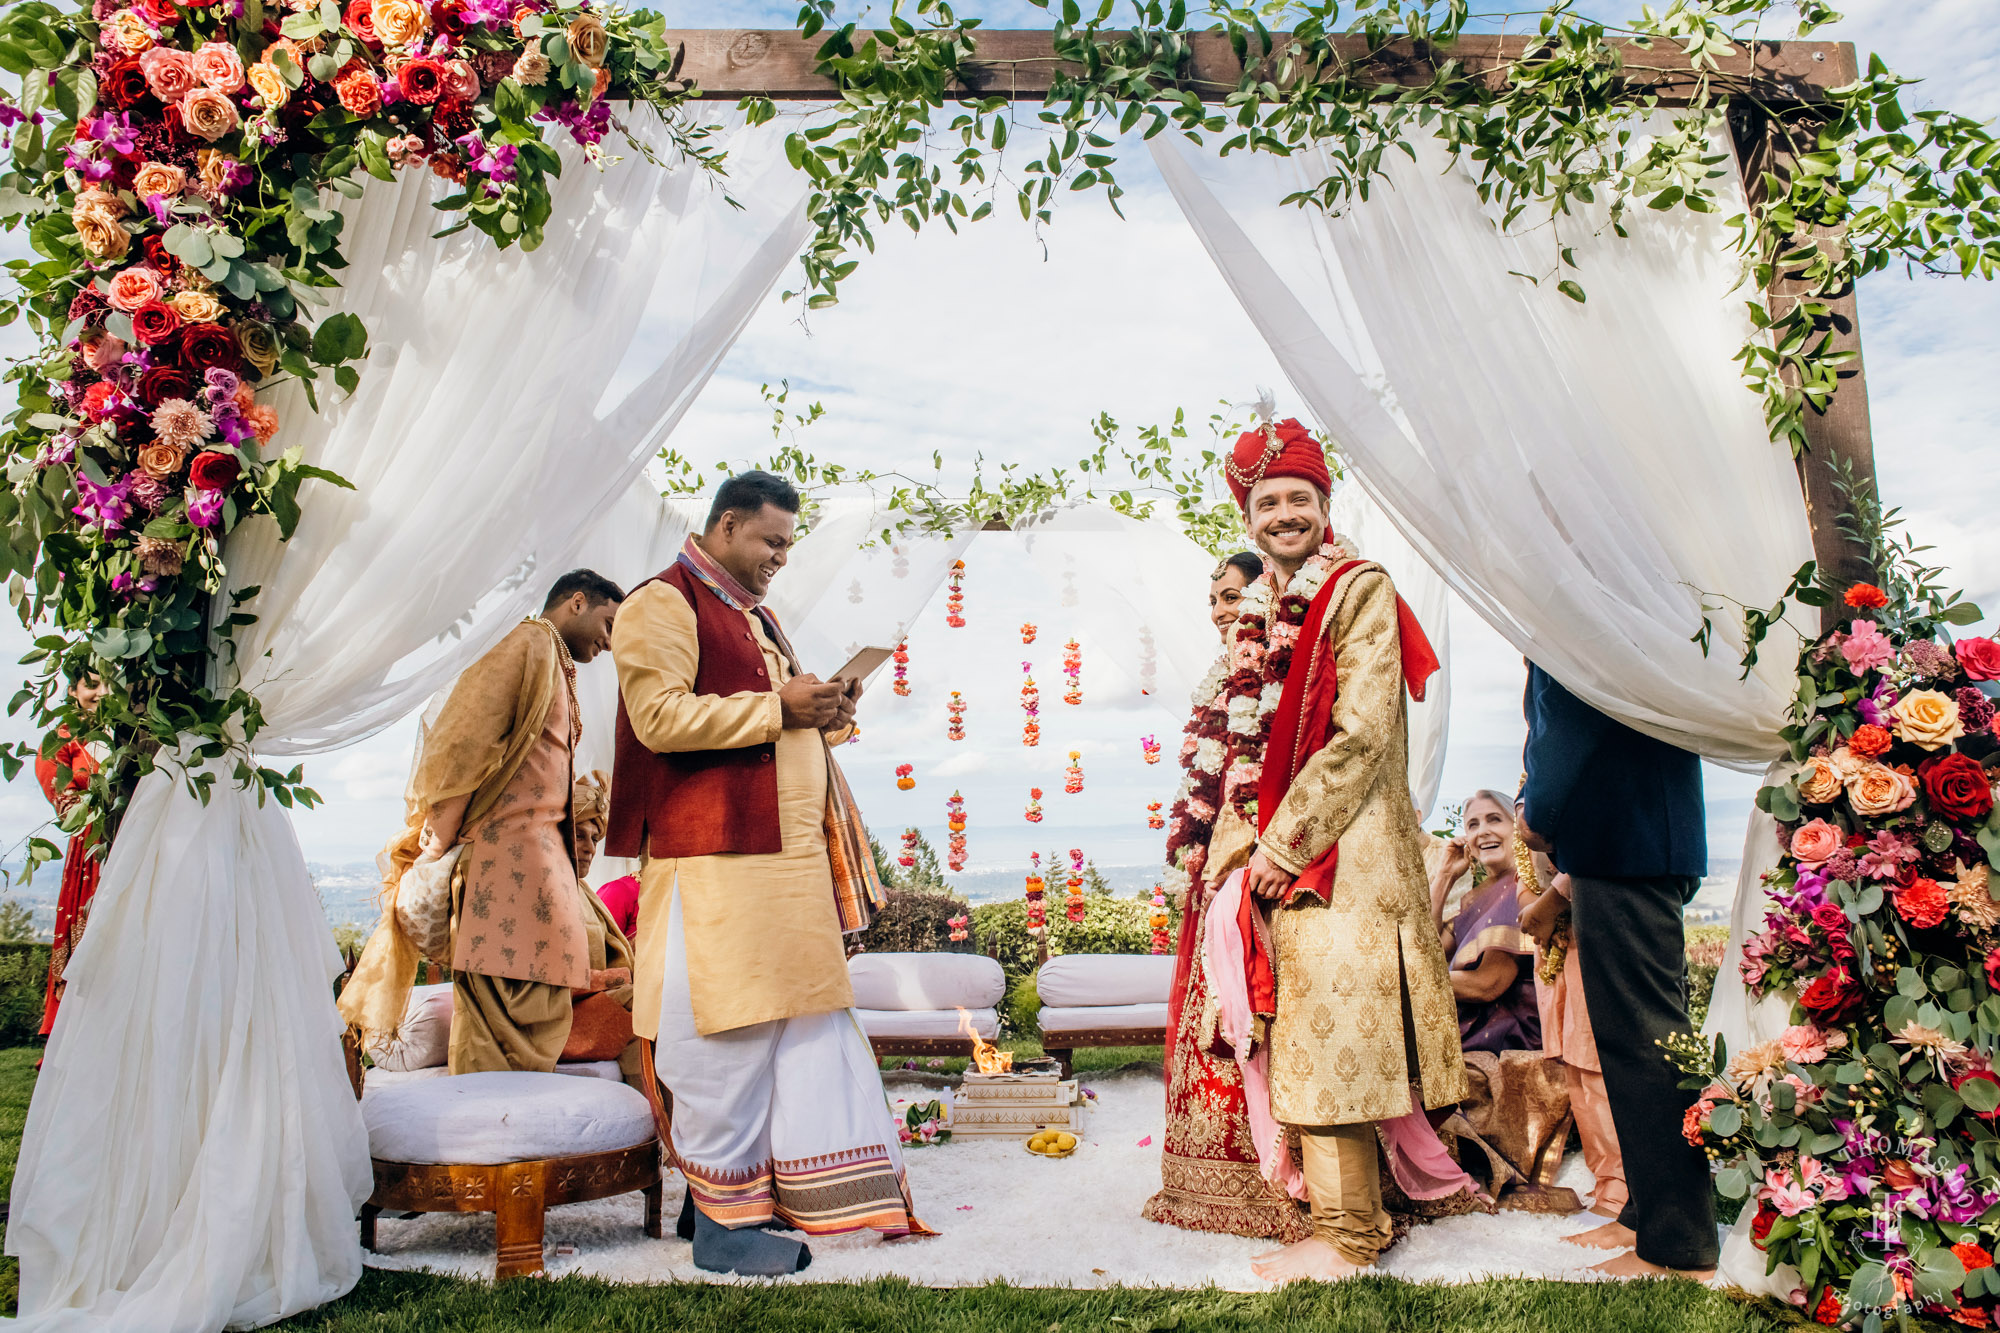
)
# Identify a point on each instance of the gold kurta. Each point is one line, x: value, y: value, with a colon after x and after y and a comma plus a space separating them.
x: 763, y: 936
x: 1345, y: 967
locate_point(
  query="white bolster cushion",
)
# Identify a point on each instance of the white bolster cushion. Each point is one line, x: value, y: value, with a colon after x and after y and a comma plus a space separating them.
x: 1078, y: 979
x: 919, y: 1024
x: 424, y: 1039
x: 926, y: 981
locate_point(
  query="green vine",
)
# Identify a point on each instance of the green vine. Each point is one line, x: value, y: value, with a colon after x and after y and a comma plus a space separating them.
x: 1543, y: 134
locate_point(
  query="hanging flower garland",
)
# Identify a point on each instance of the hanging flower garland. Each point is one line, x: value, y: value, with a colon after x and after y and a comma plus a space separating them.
x: 1153, y: 816
x: 956, y: 708
x: 1149, y: 749
x: 1027, y: 631
x: 901, y: 657
x: 1031, y: 709
x: 179, y: 166
x: 954, y: 816
x: 903, y: 779
x: 1073, y: 669
x: 1073, y: 775
x: 907, y: 858
x: 1073, y: 906
x: 960, y: 928
x: 1223, y: 742
x: 954, y: 602
x: 1158, y: 920
x: 1037, y: 909
x: 1034, y: 811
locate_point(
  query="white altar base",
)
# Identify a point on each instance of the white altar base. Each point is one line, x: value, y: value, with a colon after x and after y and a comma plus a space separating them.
x: 1006, y: 1214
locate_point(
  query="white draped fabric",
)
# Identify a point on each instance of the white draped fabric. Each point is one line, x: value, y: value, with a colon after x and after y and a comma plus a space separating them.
x: 1581, y: 474
x: 1585, y: 475
x: 193, y: 1156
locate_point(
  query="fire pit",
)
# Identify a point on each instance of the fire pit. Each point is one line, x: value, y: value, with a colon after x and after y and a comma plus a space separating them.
x: 996, y: 1098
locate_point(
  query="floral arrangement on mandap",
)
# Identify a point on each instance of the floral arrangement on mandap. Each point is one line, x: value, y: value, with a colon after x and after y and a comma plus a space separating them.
x: 179, y: 170
x: 1867, y: 1137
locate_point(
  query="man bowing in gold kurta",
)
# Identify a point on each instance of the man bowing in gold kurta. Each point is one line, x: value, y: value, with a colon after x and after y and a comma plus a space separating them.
x: 1316, y: 812
x: 725, y: 786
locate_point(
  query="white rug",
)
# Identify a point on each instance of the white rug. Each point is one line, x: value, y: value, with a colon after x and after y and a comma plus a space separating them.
x: 1006, y: 1214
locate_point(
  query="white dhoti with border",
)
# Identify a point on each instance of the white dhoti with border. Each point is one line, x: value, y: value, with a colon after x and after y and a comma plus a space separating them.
x: 783, y: 1120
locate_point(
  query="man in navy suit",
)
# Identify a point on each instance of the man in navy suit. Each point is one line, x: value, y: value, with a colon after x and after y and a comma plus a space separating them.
x: 1622, y: 815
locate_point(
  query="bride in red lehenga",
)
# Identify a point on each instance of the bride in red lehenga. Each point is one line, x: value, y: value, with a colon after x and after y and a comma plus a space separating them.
x: 1209, y: 1176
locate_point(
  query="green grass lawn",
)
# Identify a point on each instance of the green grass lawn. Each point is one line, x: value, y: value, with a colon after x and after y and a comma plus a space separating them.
x: 415, y: 1303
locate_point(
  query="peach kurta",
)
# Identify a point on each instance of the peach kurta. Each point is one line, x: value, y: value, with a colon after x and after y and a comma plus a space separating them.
x: 762, y: 933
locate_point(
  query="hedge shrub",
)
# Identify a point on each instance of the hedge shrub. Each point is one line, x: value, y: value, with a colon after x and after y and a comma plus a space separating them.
x: 917, y: 920
x: 24, y: 976
x: 1110, y: 925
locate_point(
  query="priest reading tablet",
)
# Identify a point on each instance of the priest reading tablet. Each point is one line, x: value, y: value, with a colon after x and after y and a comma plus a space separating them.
x: 726, y: 789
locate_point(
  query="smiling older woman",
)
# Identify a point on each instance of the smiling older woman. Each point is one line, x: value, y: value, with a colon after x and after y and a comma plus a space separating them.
x: 1492, y: 958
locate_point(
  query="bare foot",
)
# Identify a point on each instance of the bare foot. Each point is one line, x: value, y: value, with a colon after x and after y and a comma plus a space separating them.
x: 1311, y: 1259
x: 1631, y: 1265
x: 1610, y: 1236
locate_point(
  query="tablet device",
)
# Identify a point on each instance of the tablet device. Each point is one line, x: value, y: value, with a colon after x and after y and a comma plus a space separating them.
x: 863, y: 664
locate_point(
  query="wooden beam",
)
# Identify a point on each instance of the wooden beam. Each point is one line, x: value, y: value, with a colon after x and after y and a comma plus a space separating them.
x: 729, y: 63
x: 1840, y: 434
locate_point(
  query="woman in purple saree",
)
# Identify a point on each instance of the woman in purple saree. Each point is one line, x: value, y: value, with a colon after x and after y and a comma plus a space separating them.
x: 1492, y: 958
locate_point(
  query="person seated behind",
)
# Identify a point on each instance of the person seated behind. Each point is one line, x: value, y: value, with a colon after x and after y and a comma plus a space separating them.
x: 1492, y: 958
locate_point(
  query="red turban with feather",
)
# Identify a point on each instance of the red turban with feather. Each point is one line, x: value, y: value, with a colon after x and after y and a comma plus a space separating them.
x: 1281, y: 449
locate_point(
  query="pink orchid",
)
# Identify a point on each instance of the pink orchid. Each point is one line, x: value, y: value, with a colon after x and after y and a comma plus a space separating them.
x: 1785, y: 1194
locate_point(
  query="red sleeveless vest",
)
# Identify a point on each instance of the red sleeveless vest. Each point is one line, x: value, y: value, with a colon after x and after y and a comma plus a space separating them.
x: 699, y: 802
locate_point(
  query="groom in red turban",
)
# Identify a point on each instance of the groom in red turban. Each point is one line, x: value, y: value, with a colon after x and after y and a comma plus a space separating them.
x: 1317, y: 813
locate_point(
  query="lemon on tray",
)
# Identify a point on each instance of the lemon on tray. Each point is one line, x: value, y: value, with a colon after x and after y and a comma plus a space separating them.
x: 1052, y: 1143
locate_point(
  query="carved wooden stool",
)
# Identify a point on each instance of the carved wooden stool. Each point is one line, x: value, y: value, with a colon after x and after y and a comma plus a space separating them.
x: 510, y: 1144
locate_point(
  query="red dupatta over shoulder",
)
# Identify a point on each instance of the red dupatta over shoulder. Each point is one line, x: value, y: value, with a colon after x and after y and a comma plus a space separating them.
x: 1299, y: 730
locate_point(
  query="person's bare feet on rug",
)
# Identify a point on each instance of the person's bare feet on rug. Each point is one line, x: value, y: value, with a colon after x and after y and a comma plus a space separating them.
x: 1631, y: 1265
x: 1610, y: 1236
x: 1310, y: 1260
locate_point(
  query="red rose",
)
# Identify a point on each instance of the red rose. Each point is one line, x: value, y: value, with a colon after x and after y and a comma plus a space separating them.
x: 155, y: 322
x: 213, y: 471
x: 1828, y: 1310
x: 360, y: 94
x: 1957, y: 787
x: 124, y: 84
x: 1760, y: 1225
x: 160, y: 383
x: 207, y: 345
x: 1922, y: 903
x: 448, y: 17
x: 421, y: 80
x: 97, y: 400
x: 1866, y: 595
x: 1979, y: 657
x: 1833, y: 996
x: 158, y: 257
x: 361, y: 21
x: 160, y: 13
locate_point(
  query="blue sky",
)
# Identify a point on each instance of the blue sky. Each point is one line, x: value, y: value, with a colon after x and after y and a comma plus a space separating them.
x: 1009, y: 341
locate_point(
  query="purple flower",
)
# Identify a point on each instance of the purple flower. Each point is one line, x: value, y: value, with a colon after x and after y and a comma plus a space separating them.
x: 1874, y: 707
x: 103, y: 507
x: 204, y: 506
x: 222, y: 384
x: 114, y: 132
x: 1975, y: 710
x: 1842, y: 866
x: 58, y: 450
x: 150, y: 493
x: 231, y: 176
x: 587, y: 125
x: 10, y: 115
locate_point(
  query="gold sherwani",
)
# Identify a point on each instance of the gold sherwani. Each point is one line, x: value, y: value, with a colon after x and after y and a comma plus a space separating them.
x: 1347, y: 968
x: 763, y: 935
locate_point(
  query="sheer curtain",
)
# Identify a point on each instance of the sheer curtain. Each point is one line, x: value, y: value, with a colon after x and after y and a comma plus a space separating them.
x: 1581, y: 474
x: 193, y: 1156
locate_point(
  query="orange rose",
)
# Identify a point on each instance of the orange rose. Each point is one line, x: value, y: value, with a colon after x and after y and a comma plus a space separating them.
x: 159, y: 178
x: 1879, y: 791
x: 102, y: 234
x: 271, y: 87
x: 1819, y: 781
x: 1815, y: 842
x: 588, y: 41
x: 209, y: 114
x: 162, y: 460
x: 400, y: 22
x: 197, y: 307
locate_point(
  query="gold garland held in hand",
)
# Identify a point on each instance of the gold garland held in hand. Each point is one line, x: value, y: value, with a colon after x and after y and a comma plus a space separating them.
x: 1550, y: 968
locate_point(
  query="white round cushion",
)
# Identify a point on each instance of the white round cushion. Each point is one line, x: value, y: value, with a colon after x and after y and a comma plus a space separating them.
x: 423, y: 1039
x: 1076, y: 980
x: 481, y: 1119
x: 926, y: 981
